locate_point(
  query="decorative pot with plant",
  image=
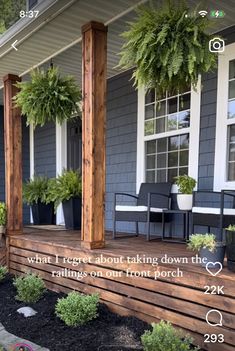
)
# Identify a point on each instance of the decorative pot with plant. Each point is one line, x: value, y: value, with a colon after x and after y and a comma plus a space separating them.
x: 230, y: 247
x: 3, y: 218
x: 35, y: 194
x: 186, y: 185
x: 48, y: 97
x: 67, y: 189
x: 168, y: 47
x: 209, y: 249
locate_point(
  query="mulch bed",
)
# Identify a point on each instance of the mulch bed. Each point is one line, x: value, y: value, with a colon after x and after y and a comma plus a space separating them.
x: 109, y: 332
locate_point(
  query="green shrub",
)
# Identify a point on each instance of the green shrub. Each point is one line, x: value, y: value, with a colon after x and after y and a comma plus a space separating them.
x: 77, y: 309
x: 3, y: 272
x: 164, y: 337
x: 30, y: 288
x: 65, y: 186
x: 36, y: 189
x: 231, y: 228
x: 202, y: 241
x: 3, y: 214
x: 185, y: 183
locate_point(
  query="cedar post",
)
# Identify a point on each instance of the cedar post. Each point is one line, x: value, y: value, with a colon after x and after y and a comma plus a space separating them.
x: 94, y: 46
x: 13, y: 157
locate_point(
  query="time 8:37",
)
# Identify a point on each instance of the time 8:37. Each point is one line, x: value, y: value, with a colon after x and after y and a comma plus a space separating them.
x: 29, y: 14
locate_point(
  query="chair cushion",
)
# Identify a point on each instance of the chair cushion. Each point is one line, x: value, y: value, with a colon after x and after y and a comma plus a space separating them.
x: 216, y: 211
x: 124, y: 208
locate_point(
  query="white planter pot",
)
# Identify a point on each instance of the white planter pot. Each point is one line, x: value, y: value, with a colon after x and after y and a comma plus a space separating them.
x: 2, y: 231
x: 185, y: 201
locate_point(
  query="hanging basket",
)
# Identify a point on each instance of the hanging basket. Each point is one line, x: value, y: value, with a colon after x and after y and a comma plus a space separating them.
x: 48, y: 97
x: 168, y: 48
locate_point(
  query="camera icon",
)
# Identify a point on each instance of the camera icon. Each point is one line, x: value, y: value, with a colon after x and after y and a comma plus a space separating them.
x: 216, y: 45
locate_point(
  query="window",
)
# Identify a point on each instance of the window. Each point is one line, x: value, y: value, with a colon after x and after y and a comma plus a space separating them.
x: 225, y: 121
x: 167, y: 130
x: 32, y: 3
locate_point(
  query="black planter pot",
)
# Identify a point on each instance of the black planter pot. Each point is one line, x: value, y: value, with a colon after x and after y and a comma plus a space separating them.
x: 230, y: 249
x: 216, y: 256
x: 73, y: 213
x: 43, y: 213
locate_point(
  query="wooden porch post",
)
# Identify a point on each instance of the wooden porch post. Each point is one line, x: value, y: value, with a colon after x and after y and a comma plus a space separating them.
x: 93, y: 133
x: 13, y: 157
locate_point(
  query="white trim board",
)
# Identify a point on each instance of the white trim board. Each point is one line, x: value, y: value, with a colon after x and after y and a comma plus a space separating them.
x: 220, y: 170
x: 193, y: 130
x: 31, y: 159
x: 61, y: 160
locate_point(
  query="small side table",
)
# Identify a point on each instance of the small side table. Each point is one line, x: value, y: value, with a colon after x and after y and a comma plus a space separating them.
x: 186, y: 214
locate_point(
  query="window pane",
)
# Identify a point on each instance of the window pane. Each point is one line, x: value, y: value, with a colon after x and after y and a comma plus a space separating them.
x: 161, y: 176
x: 150, y: 176
x: 183, y: 119
x: 232, y: 134
x: 161, y: 161
x: 173, y: 159
x: 150, y: 96
x: 172, y: 122
x: 162, y: 145
x: 232, y: 69
x: 149, y: 127
x: 149, y: 111
x: 173, y: 143
x: 183, y: 158
x: 183, y: 171
x: 161, y: 108
x: 232, y: 89
x: 160, y: 125
x: 151, y: 162
x: 184, y: 102
x: 231, y: 109
x: 184, y: 141
x: 172, y: 173
x: 151, y: 147
x: 172, y: 105
x: 231, y: 171
x: 232, y: 152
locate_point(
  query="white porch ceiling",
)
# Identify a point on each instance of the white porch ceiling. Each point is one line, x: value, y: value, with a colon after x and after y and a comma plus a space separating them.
x: 57, y: 34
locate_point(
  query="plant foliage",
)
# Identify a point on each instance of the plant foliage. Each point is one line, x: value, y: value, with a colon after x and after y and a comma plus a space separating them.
x: 202, y: 241
x: 65, y: 186
x: 30, y: 288
x: 3, y: 214
x: 185, y: 183
x: 167, y: 50
x: 48, y: 97
x: 3, y: 272
x: 36, y: 189
x: 231, y: 228
x: 77, y: 309
x: 164, y: 337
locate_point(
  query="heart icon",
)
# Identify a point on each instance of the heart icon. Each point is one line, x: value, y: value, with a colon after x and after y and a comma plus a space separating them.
x: 214, y: 268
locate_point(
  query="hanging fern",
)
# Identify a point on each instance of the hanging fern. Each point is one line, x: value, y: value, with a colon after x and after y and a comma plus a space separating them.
x: 48, y: 97
x: 167, y: 49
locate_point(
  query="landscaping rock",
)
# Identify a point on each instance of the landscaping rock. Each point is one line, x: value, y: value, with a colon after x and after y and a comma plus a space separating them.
x: 27, y: 311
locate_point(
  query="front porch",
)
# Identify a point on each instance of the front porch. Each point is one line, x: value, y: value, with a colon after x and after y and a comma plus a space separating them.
x: 178, y: 294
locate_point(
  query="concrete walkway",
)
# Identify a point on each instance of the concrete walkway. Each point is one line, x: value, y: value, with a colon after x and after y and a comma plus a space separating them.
x: 8, y: 341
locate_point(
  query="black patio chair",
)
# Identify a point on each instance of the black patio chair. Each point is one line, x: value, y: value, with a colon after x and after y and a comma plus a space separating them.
x: 217, y: 217
x: 153, y: 198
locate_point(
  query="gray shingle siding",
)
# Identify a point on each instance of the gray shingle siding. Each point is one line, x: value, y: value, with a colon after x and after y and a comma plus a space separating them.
x: 45, y: 150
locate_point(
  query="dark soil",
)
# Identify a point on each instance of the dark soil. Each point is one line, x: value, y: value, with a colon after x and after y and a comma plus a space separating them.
x: 109, y: 332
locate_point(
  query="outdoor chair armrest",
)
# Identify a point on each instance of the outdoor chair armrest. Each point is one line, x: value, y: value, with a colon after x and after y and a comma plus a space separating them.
x: 122, y: 194
x: 228, y: 192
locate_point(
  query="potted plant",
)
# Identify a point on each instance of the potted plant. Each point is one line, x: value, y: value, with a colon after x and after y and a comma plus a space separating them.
x: 230, y: 247
x: 161, y: 45
x: 48, y: 97
x: 35, y: 194
x: 185, y: 185
x: 3, y: 218
x: 208, y: 248
x: 67, y: 189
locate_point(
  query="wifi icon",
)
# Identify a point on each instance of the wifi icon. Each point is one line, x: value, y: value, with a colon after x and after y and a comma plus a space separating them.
x: 203, y: 13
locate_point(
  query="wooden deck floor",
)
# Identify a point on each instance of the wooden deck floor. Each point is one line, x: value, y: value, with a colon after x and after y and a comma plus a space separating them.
x: 151, y: 289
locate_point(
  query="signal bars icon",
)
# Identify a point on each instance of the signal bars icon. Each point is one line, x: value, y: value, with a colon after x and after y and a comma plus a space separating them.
x: 203, y: 13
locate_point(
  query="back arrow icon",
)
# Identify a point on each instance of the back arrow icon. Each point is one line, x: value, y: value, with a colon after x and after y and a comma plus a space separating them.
x: 14, y: 45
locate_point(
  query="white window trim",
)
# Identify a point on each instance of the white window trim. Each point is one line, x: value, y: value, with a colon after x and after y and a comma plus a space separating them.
x: 31, y: 159
x: 194, y: 131
x: 222, y: 121
x: 61, y: 161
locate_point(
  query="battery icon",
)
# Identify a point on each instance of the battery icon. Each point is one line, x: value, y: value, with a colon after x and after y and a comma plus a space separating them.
x: 217, y: 13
